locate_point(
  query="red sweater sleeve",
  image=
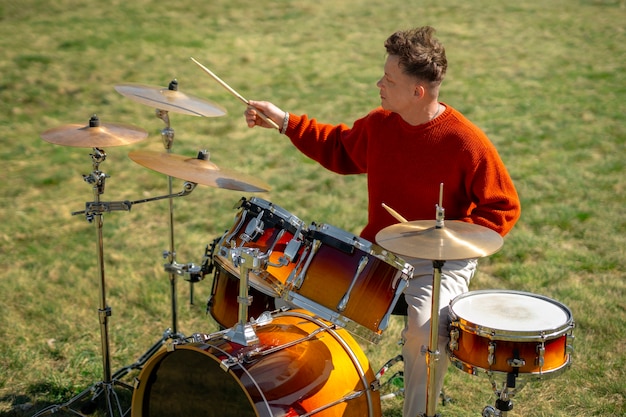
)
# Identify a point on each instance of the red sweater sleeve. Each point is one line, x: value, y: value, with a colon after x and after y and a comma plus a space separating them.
x: 329, y: 145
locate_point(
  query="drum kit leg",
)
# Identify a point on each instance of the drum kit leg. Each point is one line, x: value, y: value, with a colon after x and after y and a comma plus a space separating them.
x: 300, y: 359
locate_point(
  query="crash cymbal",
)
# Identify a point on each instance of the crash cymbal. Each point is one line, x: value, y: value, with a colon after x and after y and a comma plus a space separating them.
x: 455, y: 240
x: 198, y: 170
x: 94, y: 135
x: 170, y: 99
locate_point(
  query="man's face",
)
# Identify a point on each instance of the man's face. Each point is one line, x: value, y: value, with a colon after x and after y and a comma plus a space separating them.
x: 398, y: 91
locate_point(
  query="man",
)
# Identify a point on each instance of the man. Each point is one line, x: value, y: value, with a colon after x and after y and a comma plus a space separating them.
x: 408, y: 147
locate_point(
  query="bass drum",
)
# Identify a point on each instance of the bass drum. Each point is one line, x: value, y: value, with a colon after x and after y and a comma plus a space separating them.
x: 301, y: 365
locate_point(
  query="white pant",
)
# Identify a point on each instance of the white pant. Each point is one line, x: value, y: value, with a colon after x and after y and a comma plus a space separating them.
x: 455, y: 279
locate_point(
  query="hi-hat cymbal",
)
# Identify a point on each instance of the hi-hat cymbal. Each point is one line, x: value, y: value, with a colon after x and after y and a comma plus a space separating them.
x: 170, y: 99
x: 198, y: 170
x: 455, y: 240
x: 94, y: 135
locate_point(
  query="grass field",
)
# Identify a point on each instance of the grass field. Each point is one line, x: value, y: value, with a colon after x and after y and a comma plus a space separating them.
x: 545, y: 80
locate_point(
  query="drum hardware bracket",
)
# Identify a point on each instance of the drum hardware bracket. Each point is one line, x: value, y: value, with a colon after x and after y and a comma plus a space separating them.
x: 190, y: 271
x: 246, y: 260
x: 264, y: 319
x: 491, y: 357
x: 454, y: 340
x: 541, y: 352
x: 171, y: 344
x: 516, y: 363
x: 94, y: 208
x: 504, y: 402
x: 251, y: 355
x: 254, y: 229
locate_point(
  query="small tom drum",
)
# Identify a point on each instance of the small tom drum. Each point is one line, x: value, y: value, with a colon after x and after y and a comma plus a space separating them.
x: 301, y: 366
x: 502, y: 332
x: 272, y: 230
x: 348, y: 280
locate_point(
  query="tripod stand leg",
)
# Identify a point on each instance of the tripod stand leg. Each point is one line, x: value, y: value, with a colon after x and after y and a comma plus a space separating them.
x: 139, y: 363
x: 77, y: 407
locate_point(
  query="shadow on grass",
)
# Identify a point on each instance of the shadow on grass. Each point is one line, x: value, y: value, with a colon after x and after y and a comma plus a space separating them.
x: 38, y: 402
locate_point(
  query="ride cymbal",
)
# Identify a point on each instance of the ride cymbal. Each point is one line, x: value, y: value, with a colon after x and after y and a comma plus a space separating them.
x: 94, y: 135
x: 455, y: 240
x: 170, y: 99
x: 198, y: 170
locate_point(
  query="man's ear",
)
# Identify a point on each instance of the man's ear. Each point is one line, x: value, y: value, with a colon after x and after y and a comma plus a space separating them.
x: 419, y: 91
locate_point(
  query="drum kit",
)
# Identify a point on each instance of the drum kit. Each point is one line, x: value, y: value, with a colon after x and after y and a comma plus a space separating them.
x: 288, y: 297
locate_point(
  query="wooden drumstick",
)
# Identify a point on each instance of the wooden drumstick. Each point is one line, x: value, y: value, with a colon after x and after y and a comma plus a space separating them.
x: 395, y: 214
x: 236, y: 94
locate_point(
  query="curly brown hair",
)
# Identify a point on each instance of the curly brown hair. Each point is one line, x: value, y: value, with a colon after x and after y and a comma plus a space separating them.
x: 421, y: 54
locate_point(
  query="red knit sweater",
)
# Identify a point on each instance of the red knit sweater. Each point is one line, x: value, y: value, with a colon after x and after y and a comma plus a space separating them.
x: 406, y: 164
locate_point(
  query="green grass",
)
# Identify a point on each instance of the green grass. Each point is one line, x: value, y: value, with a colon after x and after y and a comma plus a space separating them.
x: 545, y: 80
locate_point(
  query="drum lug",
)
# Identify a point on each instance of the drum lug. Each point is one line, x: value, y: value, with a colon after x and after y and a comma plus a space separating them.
x: 346, y: 298
x: 375, y: 385
x: 299, y: 278
x: 454, y: 339
x: 254, y: 229
x: 569, y: 343
x: 541, y: 351
x: 228, y: 363
x: 491, y: 358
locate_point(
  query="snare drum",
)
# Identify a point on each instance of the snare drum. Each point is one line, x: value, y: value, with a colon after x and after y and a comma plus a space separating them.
x: 223, y: 304
x: 497, y: 331
x: 272, y: 230
x: 348, y: 280
x: 300, y: 366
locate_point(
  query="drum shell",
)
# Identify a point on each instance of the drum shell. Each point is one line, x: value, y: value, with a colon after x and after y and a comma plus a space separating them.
x: 475, y: 347
x: 291, y: 371
x: 328, y: 272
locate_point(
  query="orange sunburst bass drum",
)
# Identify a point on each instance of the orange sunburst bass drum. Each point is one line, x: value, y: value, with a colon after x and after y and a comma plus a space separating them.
x: 300, y: 366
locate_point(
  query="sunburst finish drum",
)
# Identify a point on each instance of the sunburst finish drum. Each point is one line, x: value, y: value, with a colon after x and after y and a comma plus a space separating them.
x: 502, y: 332
x: 301, y: 366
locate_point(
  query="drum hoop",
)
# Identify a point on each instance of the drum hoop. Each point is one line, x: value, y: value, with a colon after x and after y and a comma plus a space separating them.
x: 292, y: 223
x: 528, y: 376
x: 508, y: 335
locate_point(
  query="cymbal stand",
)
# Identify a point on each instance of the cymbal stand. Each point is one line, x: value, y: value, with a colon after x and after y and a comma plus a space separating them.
x: 432, y: 353
x: 94, y: 211
x: 174, y: 269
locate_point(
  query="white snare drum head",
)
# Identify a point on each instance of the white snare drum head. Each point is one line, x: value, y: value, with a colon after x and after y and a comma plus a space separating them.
x: 510, y: 311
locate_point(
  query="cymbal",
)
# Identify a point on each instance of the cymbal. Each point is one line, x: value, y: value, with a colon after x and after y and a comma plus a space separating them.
x: 94, y: 135
x: 170, y: 99
x: 455, y: 240
x: 197, y: 170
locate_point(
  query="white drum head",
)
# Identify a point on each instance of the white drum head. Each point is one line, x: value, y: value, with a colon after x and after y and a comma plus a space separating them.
x: 510, y: 311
